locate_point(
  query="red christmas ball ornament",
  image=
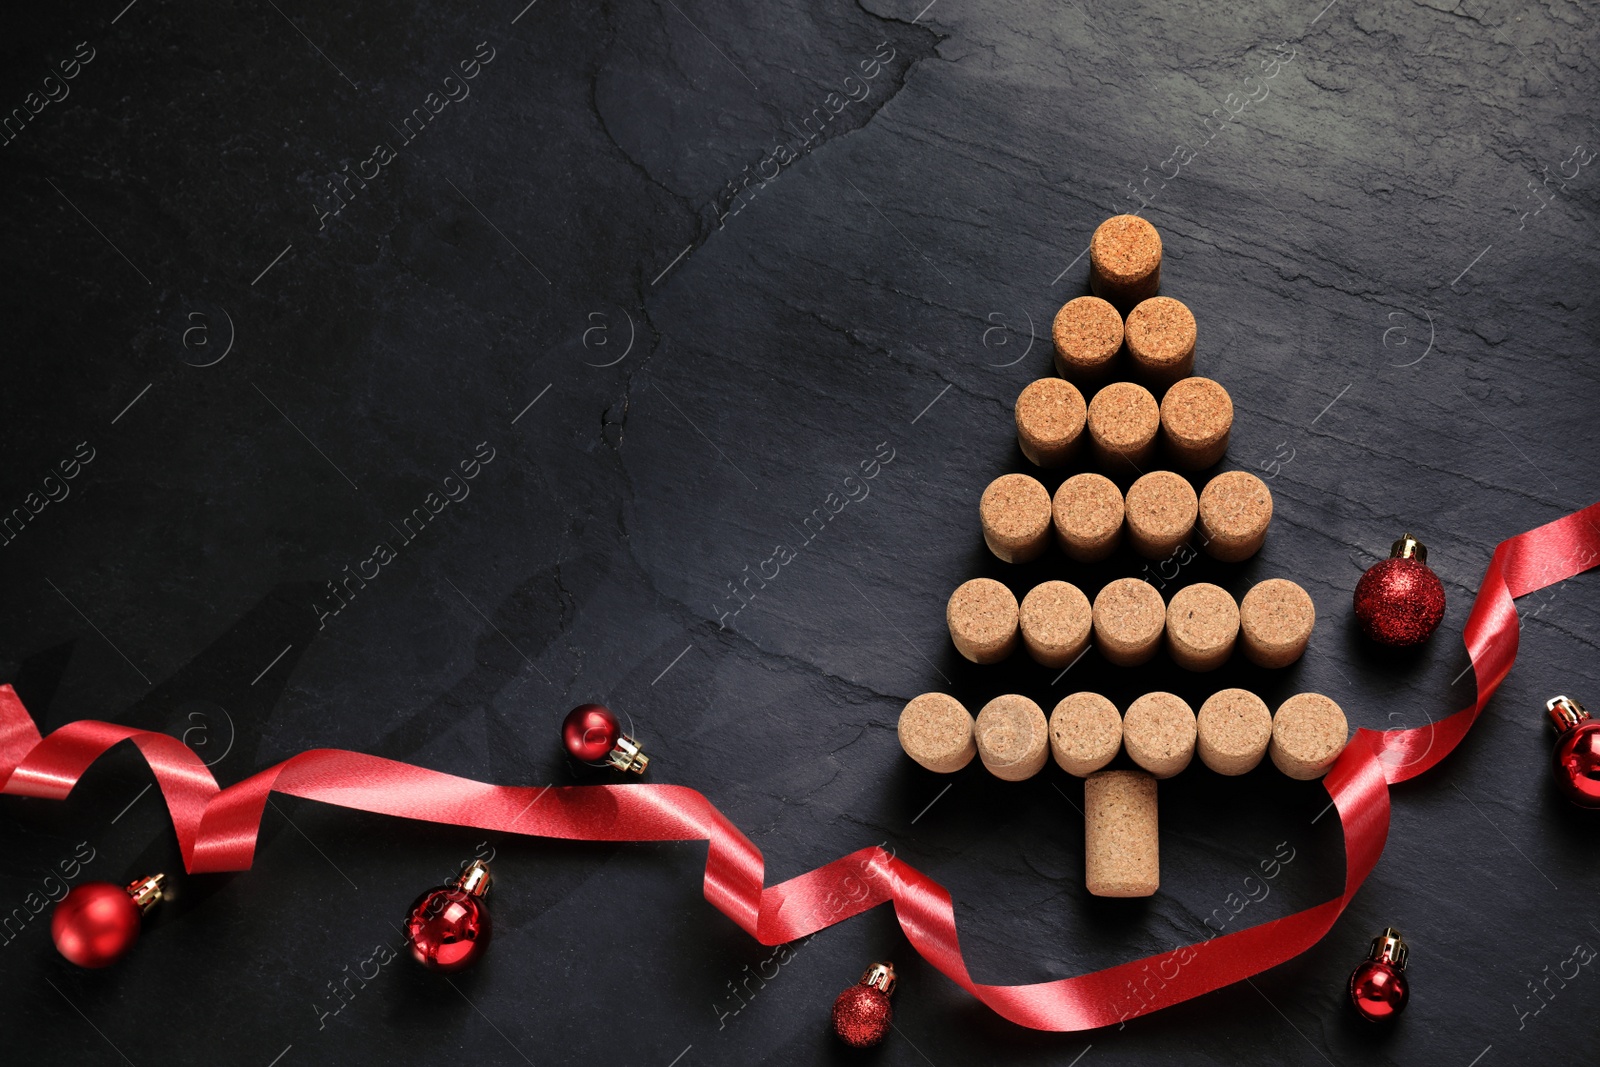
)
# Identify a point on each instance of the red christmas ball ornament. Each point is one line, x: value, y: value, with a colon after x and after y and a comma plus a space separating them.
x: 592, y: 734
x: 1378, y: 987
x: 862, y: 1014
x: 1400, y: 601
x: 448, y: 927
x: 98, y: 922
x: 1577, y: 755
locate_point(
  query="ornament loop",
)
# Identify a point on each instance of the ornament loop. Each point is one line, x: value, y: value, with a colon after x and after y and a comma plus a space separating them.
x: 1409, y: 547
x: 880, y: 976
x: 146, y: 892
x: 1565, y: 712
x: 1389, y: 947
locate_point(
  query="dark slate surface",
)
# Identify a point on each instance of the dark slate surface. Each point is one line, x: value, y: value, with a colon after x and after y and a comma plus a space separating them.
x: 1386, y: 230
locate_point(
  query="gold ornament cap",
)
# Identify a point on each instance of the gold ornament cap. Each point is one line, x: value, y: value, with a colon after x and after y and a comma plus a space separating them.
x: 1389, y: 947
x: 475, y: 878
x: 1565, y: 712
x: 880, y: 976
x: 1409, y: 547
x: 146, y: 892
x: 628, y: 755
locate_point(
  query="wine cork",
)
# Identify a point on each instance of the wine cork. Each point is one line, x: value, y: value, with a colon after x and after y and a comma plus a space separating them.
x: 1087, y: 512
x: 1050, y: 417
x: 1085, y: 733
x: 1235, y: 511
x: 1196, y: 419
x: 936, y: 731
x: 1234, y: 727
x: 982, y: 616
x: 1129, y: 616
x: 1123, y: 420
x: 1160, y: 334
x: 1122, y: 856
x: 1013, y: 738
x: 1308, y: 733
x: 1088, y: 336
x: 1015, y: 512
x: 1161, y: 508
x: 1055, y: 619
x: 1125, y: 261
x: 1159, y: 733
x: 1275, y: 622
x: 1202, y: 626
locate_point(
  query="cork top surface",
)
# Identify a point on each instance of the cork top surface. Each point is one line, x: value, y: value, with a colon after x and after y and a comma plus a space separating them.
x: 1202, y: 616
x: 1055, y: 614
x: 1125, y: 248
x: 1196, y: 411
x: 1162, y: 505
x: 1161, y: 330
x: 1236, y: 504
x: 1160, y: 725
x: 1310, y: 728
x: 1124, y: 416
x: 1277, y: 610
x: 1235, y: 723
x: 983, y: 611
x: 1087, y: 331
x: 1011, y: 729
x: 1129, y: 610
x: 1015, y: 506
x: 935, y: 726
x: 1088, y: 506
x: 1051, y: 411
x: 1084, y: 726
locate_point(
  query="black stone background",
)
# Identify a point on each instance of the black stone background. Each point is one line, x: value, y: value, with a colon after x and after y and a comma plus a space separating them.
x: 1404, y: 328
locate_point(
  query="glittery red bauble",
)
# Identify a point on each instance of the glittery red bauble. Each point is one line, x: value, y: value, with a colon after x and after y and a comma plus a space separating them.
x: 1378, y: 990
x: 448, y: 929
x: 1399, y: 602
x: 590, y: 732
x: 95, y: 924
x: 1577, y: 763
x: 861, y: 1016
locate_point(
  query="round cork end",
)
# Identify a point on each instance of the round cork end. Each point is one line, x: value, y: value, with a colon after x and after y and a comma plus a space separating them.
x: 1235, y: 727
x: 1050, y: 417
x: 982, y: 615
x: 1123, y: 420
x: 1015, y: 512
x: 1161, y: 508
x: 1125, y: 260
x: 1161, y: 333
x: 1085, y: 733
x: 1196, y: 419
x: 1088, y: 517
x: 936, y: 731
x: 1235, y: 511
x: 1056, y: 619
x: 1159, y: 733
x: 1129, y: 616
x: 1202, y: 626
x: 1121, y: 839
x: 1013, y: 738
x: 1308, y: 733
x: 1088, y: 336
x: 1275, y: 622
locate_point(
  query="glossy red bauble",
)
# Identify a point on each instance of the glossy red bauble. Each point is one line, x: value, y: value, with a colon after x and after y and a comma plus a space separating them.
x: 448, y: 928
x: 1577, y: 755
x: 1378, y: 990
x: 97, y: 922
x: 590, y: 732
x: 862, y: 1015
x: 1400, y: 601
x: 1378, y: 987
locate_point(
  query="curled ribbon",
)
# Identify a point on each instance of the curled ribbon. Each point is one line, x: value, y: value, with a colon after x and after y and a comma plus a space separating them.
x: 217, y: 828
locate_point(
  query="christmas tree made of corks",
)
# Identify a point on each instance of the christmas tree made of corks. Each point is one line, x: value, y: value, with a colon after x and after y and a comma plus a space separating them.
x: 1127, y: 329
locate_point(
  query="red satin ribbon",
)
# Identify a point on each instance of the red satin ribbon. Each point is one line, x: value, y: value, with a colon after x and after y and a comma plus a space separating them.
x: 217, y: 828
